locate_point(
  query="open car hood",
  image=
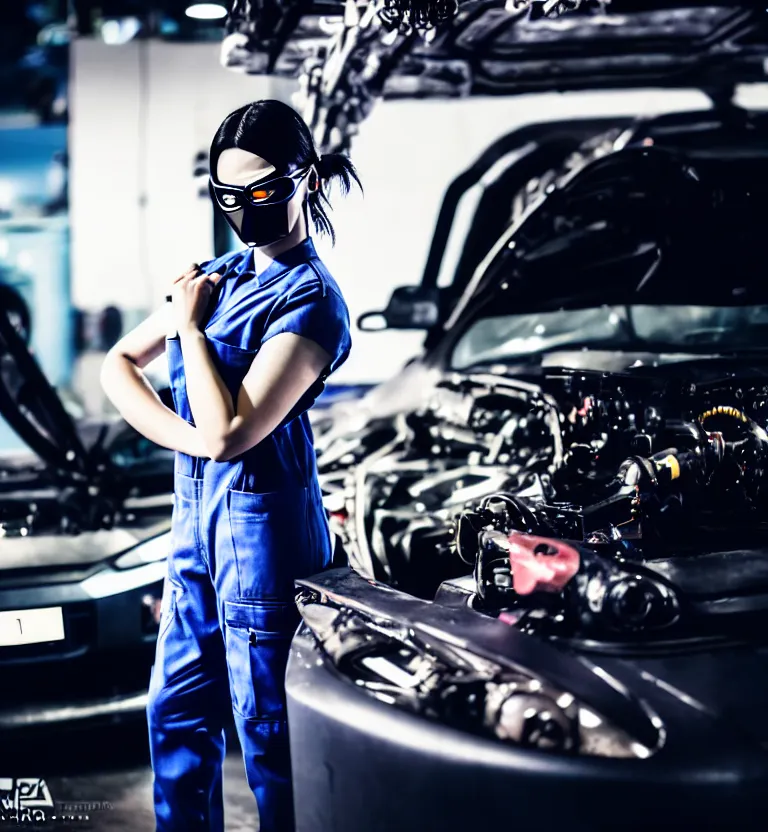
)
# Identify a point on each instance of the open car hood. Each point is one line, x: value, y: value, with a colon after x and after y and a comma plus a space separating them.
x: 110, y: 479
x: 597, y: 211
x: 627, y: 227
x: 33, y: 409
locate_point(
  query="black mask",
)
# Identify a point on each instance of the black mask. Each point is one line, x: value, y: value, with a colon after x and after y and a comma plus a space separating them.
x: 264, y: 204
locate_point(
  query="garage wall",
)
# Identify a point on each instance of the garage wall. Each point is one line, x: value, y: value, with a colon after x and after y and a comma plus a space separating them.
x: 140, y: 113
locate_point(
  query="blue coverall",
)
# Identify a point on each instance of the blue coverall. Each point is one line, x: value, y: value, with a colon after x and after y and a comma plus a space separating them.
x: 242, y: 531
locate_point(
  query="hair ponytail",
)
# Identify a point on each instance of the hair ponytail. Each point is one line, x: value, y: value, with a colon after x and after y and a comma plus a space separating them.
x: 330, y: 166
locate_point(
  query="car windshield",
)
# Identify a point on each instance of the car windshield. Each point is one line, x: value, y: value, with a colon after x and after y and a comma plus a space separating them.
x: 692, y: 329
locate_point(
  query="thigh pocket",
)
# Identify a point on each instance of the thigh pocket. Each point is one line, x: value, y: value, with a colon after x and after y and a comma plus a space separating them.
x: 258, y: 637
x: 272, y: 541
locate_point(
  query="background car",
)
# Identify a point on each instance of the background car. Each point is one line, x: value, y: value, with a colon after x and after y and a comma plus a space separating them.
x: 84, y: 520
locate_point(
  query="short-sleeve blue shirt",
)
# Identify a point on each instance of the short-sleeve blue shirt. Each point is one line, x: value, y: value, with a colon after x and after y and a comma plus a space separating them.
x: 296, y: 293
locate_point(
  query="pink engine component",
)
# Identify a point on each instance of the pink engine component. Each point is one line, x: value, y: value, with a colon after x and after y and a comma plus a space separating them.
x: 540, y: 564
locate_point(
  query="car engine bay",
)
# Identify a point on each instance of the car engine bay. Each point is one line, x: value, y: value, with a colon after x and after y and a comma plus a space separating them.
x: 588, y: 506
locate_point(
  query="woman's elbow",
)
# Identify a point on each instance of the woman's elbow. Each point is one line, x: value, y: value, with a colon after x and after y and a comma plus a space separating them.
x: 114, y: 374
x: 220, y: 449
x: 219, y: 455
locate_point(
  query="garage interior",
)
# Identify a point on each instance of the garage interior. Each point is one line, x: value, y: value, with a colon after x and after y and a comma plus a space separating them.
x: 556, y: 283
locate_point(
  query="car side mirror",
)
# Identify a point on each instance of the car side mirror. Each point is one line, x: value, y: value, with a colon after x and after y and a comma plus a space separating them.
x: 410, y: 307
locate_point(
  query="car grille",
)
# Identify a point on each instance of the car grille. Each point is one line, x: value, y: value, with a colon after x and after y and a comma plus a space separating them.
x: 84, y: 678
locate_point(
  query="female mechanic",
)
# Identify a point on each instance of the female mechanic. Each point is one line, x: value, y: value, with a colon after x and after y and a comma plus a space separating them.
x: 254, y: 335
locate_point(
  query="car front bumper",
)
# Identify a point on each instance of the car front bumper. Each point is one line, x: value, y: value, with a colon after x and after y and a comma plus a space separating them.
x: 361, y: 764
x: 74, y: 714
x: 98, y: 673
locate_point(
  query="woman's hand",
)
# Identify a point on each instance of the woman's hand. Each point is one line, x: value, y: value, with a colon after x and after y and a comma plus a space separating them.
x: 190, y: 294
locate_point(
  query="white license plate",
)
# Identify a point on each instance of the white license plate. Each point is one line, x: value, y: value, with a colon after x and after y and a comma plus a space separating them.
x: 31, y: 626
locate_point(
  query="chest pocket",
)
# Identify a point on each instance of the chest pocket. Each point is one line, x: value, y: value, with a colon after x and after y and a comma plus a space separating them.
x: 232, y: 363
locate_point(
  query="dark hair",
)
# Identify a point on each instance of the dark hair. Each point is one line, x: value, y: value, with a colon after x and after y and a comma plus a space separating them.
x: 277, y: 133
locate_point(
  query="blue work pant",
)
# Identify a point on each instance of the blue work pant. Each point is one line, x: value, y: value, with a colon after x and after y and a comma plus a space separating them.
x: 228, y: 617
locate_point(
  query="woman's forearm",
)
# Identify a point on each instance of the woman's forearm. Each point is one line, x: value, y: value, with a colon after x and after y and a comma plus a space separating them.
x: 129, y: 391
x: 209, y: 399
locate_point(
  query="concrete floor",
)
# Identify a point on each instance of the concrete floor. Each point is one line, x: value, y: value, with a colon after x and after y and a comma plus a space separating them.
x: 111, y: 765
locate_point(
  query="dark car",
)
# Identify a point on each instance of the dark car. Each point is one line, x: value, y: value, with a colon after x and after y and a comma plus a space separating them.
x: 554, y: 611
x: 558, y: 527
x: 84, y: 521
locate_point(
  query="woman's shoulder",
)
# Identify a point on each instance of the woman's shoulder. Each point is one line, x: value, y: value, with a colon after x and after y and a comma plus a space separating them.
x: 313, y: 276
x: 236, y: 260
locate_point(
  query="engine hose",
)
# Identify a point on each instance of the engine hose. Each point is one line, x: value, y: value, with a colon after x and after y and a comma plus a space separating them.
x: 753, y: 428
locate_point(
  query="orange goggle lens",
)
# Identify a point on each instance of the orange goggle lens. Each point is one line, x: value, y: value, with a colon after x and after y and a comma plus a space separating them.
x: 260, y: 194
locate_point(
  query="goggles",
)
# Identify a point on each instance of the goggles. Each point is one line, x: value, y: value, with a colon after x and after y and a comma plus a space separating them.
x: 262, y: 192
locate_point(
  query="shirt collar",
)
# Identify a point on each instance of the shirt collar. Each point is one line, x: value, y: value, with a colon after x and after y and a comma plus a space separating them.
x: 295, y: 256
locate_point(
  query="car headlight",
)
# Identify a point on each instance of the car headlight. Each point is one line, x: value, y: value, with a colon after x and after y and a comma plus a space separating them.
x: 144, y: 564
x: 450, y: 684
x: 534, y: 715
